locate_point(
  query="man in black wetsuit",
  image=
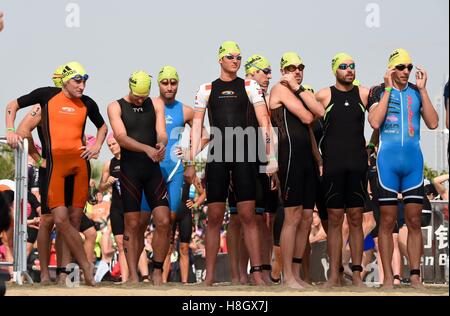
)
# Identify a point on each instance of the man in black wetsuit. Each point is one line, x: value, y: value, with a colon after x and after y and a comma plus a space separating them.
x: 139, y: 127
x: 228, y: 100
x: 343, y: 149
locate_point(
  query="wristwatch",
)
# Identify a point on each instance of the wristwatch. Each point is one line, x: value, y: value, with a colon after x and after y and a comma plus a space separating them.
x: 300, y: 90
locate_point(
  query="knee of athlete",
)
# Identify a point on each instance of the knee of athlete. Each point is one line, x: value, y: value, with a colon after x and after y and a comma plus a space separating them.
x: 46, y: 222
x: 215, y: 220
x: 184, y: 249
x: 307, y: 219
x: 62, y: 221
x: 132, y: 225
x: 163, y: 223
x: 369, y: 221
x: 387, y: 222
x: 413, y: 222
x: 335, y: 219
x: 355, y: 220
x: 248, y: 219
x: 90, y: 234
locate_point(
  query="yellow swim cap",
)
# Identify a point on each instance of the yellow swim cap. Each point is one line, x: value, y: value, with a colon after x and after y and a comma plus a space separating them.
x: 308, y: 87
x: 399, y: 57
x: 228, y: 48
x: 338, y: 60
x: 290, y: 58
x: 255, y: 63
x: 57, y: 77
x: 140, y: 83
x: 168, y: 72
x: 72, y: 70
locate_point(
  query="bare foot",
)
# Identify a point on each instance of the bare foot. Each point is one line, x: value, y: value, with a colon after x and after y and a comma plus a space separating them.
x: 243, y: 280
x: 357, y: 282
x: 45, y: 281
x: 208, y: 282
x: 303, y: 283
x: 416, y: 282
x: 293, y: 284
x: 332, y: 283
x: 89, y: 276
x: 388, y: 284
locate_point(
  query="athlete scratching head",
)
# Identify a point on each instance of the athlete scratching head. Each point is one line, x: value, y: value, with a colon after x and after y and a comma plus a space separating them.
x: 343, y: 67
x: 292, y: 63
x: 401, y: 63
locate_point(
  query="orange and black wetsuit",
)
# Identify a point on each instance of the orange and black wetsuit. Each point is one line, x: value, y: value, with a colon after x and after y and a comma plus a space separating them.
x: 61, y: 132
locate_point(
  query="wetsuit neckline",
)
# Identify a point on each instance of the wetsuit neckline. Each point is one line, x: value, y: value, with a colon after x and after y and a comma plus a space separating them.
x: 404, y: 89
x: 234, y: 80
x: 339, y: 90
x: 175, y: 102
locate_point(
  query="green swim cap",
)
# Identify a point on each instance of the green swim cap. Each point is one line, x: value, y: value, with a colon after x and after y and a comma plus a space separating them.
x: 140, y: 83
x: 71, y: 70
x: 290, y: 58
x: 338, y: 60
x: 228, y: 47
x: 57, y: 77
x: 255, y: 63
x: 168, y: 72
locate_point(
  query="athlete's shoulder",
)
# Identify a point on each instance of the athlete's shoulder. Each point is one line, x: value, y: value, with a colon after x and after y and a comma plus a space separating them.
x: 88, y: 101
x: 377, y: 90
x: 413, y: 87
x: 202, y: 96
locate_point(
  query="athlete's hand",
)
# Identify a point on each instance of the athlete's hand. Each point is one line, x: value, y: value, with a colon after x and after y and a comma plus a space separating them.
x: 110, y: 181
x: 13, y: 139
x: 190, y: 204
x: 90, y: 152
x: 289, y: 81
x: 153, y: 154
x: 421, y: 78
x: 388, y: 82
x: 272, y: 167
x: 161, y: 151
x: 183, y: 153
x: 274, y: 182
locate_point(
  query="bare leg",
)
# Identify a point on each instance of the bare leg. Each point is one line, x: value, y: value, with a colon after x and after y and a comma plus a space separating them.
x: 266, y: 245
x: 44, y: 244
x: 292, y: 217
x: 216, y: 212
x: 65, y: 220
x: 415, y: 242
x: 388, y: 218
x: 89, y: 243
x: 396, y: 260
x: 160, y: 242
x: 184, y: 262
x: 166, y: 267
x: 122, y: 259
x: 233, y: 237
x: 131, y: 244
x: 246, y: 211
x: 143, y: 266
x: 301, y: 241
x: 335, y: 220
x: 355, y: 219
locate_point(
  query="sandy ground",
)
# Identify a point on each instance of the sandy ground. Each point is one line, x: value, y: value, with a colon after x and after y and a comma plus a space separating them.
x: 106, y: 289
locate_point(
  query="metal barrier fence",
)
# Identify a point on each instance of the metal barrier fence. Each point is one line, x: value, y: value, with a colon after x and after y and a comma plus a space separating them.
x: 20, y: 212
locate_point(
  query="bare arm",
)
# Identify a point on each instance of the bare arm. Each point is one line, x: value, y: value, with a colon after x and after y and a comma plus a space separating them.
x: 160, y: 122
x: 26, y: 126
x: 315, y: 150
x: 11, y: 111
x: 196, y: 133
x: 439, y: 185
x: 104, y: 183
x: 282, y: 95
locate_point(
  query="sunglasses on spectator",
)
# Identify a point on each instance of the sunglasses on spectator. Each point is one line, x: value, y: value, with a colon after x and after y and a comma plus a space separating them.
x: 292, y: 68
x: 345, y: 66
x: 403, y: 67
x: 231, y: 57
x: 80, y: 78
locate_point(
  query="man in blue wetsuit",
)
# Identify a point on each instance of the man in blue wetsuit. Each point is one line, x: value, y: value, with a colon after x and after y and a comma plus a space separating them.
x: 177, y: 116
x: 395, y: 108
